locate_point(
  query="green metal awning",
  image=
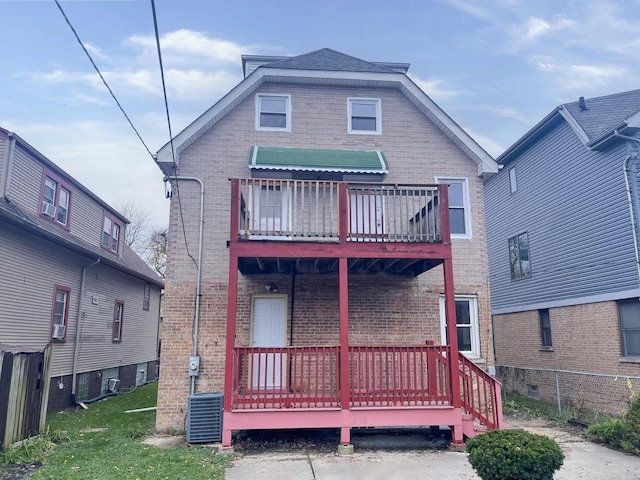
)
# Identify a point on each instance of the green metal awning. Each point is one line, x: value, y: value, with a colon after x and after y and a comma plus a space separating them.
x: 311, y: 160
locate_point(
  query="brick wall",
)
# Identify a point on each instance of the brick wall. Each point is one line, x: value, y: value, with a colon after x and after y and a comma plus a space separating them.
x: 382, y: 309
x: 586, y: 338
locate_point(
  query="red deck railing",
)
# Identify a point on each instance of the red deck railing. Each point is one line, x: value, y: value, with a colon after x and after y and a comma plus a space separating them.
x: 480, y: 394
x: 297, y: 210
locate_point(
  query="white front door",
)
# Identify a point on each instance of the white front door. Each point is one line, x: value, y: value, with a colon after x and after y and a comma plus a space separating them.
x: 268, y: 330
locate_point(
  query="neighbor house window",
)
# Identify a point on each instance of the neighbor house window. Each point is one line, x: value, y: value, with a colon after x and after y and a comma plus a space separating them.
x: 459, y: 214
x: 108, y: 374
x: 545, y: 328
x: 118, y: 316
x: 273, y: 112
x: 466, y: 324
x: 513, y: 180
x: 83, y: 386
x: 519, y: 256
x: 364, y: 115
x: 56, y: 199
x: 111, y: 233
x: 147, y: 297
x: 629, y: 317
x: 60, y: 313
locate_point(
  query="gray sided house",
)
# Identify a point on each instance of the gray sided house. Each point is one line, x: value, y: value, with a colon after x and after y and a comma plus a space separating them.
x: 562, y: 224
x: 70, y: 281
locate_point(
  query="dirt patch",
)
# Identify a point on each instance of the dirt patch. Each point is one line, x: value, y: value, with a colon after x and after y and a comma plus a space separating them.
x: 18, y: 472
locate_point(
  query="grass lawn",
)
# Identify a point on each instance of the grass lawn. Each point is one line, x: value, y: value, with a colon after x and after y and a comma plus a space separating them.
x: 117, y: 452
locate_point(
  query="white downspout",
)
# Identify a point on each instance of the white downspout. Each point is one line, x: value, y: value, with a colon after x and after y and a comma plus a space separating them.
x: 194, y: 368
x: 76, y: 348
x: 625, y: 171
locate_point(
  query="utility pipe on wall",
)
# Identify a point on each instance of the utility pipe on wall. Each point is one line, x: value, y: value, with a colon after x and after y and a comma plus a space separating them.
x: 625, y: 172
x: 198, y: 267
x: 76, y: 348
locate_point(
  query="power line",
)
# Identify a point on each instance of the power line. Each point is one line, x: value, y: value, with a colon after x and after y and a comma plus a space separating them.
x: 166, y: 105
x: 101, y: 77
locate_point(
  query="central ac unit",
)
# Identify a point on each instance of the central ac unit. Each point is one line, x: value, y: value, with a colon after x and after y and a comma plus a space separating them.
x: 113, y: 385
x: 204, y: 417
x: 58, y: 331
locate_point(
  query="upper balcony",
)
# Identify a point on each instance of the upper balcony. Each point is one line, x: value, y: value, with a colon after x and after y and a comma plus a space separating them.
x: 396, y: 228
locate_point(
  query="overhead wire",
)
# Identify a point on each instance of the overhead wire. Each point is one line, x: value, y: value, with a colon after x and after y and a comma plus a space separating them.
x: 164, y: 90
x: 166, y: 105
x: 101, y: 76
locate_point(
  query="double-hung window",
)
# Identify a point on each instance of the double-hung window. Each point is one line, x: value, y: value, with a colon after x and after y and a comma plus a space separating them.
x: 56, y: 200
x: 147, y: 297
x: 545, y: 329
x: 459, y: 210
x: 629, y: 317
x: 519, y: 256
x: 468, y: 334
x: 60, y: 314
x: 273, y: 112
x: 118, y: 316
x: 365, y: 116
x: 111, y: 233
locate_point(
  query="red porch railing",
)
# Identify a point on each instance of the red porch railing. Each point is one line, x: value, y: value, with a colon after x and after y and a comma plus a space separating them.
x: 398, y: 376
x: 285, y: 377
x: 480, y: 394
x: 310, y: 210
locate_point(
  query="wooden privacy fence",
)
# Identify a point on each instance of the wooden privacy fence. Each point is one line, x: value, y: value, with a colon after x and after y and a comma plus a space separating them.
x: 24, y: 392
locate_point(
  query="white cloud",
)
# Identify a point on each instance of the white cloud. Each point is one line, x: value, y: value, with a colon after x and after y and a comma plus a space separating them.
x: 436, y: 88
x: 572, y: 76
x: 492, y: 147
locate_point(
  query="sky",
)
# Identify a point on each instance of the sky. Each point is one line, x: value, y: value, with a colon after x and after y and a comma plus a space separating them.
x: 497, y: 67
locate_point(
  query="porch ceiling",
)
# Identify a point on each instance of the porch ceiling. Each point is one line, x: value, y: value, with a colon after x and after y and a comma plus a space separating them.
x: 317, y: 266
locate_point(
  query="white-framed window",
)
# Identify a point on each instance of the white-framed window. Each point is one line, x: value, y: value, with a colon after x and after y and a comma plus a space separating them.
x: 513, y: 180
x: 273, y: 112
x: 56, y: 199
x: 365, y: 116
x: 60, y: 315
x: 111, y: 233
x: 459, y: 206
x: 466, y: 324
x: 147, y: 297
x: 118, y: 316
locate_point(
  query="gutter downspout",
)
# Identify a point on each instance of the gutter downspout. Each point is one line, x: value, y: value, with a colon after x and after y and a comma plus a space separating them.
x: 199, y: 278
x: 6, y: 174
x: 625, y: 171
x: 76, y: 348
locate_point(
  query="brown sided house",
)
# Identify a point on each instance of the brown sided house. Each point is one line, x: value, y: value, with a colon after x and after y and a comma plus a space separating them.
x: 328, y: 204
x: 69, y: 280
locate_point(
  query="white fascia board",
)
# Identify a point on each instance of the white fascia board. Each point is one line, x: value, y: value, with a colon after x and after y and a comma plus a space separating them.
x: 487, y: 164
x: 633, y: 121
x: 575, y: 126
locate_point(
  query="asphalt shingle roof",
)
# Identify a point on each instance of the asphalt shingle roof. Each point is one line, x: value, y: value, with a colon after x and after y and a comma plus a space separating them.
x: 604, y: 113
x: 328, y: 59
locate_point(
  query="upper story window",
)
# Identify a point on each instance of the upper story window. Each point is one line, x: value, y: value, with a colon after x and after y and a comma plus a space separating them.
x: 60, y: 314
x: 459, y: 211
x: 118, y: 317
x: 365, y: 116
x: 513, y: 180
x: 273, y: 112
x: 111, y: 233
x: 56, y: 200
x: 519, y: 256
x: 147, y: 297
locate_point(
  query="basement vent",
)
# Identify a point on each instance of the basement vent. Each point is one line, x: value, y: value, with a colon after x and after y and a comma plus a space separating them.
x: 532, y: 391
x: 204, y: 418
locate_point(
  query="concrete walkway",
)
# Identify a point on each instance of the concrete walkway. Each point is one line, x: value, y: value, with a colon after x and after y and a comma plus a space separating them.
x: 583, y: 460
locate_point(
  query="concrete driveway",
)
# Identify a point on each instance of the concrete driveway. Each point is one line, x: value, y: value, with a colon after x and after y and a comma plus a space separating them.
x: 389, y: 459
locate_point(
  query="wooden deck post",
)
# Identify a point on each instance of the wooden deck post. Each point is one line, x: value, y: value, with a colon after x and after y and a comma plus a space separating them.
x: 345, y: 431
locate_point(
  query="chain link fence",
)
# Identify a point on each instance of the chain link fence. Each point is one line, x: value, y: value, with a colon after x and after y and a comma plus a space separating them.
x: 581, y: 391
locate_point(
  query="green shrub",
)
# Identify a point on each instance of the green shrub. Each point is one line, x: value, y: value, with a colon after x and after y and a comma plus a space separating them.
x: 621, y: 433
x: 514, y: 455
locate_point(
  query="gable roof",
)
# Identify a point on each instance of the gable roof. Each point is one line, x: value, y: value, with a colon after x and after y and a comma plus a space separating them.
x: 595, y: 121
x: 327, y: 67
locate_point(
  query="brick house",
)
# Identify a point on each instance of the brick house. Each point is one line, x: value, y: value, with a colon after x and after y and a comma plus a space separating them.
x: 317, y: 193
x: 562, y: 222
x: 69, y: 280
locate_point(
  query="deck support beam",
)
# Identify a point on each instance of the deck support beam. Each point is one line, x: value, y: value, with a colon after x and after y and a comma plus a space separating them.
x: 345, y: 432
